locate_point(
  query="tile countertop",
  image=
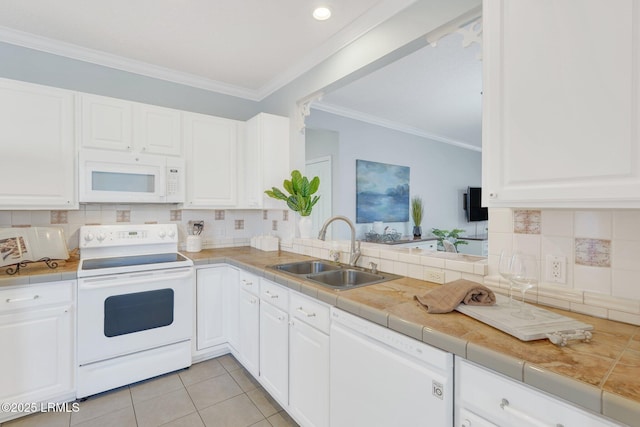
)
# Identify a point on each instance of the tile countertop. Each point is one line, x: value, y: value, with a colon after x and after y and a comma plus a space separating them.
x: 602, y: 375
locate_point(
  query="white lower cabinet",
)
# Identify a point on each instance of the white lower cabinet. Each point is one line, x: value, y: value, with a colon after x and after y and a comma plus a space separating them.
x: 37, y: 334
x: 249, y: 323
x: 486, y: 398
x: 309, y: 361
x: 274, y: 340
x: 211, y: 286
x: 231, y: 298
x: 288, y: 341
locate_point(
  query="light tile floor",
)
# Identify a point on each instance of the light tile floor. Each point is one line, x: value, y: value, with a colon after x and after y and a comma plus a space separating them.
x: 215, y: 393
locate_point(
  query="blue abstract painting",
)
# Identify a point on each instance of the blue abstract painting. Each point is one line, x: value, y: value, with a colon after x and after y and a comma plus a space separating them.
x: 382, y: 192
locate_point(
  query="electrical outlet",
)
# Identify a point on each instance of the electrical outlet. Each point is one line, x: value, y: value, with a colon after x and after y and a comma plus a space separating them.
x: 435, y: 276
x: 556, y: 269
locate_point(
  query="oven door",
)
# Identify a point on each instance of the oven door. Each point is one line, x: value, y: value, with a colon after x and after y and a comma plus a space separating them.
x: 125, y: 313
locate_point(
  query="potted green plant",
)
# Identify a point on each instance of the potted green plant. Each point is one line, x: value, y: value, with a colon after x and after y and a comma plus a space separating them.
x: 417, y: 210
x: 301, y: 198
x: 453, y: 236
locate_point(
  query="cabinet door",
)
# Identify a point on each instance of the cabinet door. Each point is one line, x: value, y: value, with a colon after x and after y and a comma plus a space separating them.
x: 265, y: 159
x: 274, y: 352
x: 107, y: 123
x: 561, y: 117
x: 232, y: 295
x: 308, y: 374
x: 249, y: 330
x: 158, y: 130
x: 38, y: 147
x: 504, y: 401
x: 40, y: 364
x: 210, y: 298
x: 211, y: 144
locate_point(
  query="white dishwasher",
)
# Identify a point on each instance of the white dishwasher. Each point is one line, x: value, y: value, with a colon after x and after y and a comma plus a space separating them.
x: 382, y: 378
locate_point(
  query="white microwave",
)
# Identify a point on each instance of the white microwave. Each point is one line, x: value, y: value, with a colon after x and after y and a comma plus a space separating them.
x: 119, y: 177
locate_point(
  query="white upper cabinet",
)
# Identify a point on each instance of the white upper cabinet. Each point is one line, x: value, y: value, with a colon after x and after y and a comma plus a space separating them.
x: 157, y: 130
x: 211, y: 156
x: 116, y: 124
x: 265, y: 160
x: 38, y: 147
x: 561, y: 116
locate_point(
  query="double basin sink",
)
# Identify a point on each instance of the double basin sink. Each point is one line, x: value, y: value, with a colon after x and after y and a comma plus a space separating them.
x: 333, y: 275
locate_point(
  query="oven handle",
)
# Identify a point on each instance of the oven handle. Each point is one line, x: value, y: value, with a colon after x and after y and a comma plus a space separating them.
x: 134, y: 278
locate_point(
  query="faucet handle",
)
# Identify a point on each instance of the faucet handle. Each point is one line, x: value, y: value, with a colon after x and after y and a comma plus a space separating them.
x: 374, y: 267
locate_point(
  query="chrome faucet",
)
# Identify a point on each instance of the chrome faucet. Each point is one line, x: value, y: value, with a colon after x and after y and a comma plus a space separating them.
x: 355, y: 252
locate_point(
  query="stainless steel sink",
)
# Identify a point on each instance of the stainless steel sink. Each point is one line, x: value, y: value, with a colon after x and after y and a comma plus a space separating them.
x: 307, y: 267
x: 347, y: 278
x: 334, y: 276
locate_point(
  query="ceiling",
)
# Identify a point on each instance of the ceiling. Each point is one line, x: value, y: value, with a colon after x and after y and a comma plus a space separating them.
x: 251, y: 48
x: 434, y: 92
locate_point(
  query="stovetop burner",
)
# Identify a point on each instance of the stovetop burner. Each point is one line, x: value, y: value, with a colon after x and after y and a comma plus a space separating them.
x: 135, y: 260
x: 117, y: 249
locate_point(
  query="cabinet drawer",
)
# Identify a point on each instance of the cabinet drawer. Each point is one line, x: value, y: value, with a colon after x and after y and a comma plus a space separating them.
x: 310, y: 311
x: 249, y: 282
x: 274, y: 294
x: 29, y: 296
x: 504, y: 401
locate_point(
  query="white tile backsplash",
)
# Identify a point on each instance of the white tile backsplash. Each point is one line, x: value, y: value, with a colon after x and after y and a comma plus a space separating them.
x: 593, y: 279
x: 626, y: 284
x: 624, y: 254
x: 601, y: 248
x: 626, y: 225
x: 593, y: 224
x: 557, y: 223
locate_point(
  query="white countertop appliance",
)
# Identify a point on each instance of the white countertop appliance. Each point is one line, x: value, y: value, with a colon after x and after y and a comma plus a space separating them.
x: 135, y: 297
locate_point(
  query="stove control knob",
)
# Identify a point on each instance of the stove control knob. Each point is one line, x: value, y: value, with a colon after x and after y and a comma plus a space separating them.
x: 88, y: 237
x: 162, y: 234
x: 101, y: 237
x: 172, y: 233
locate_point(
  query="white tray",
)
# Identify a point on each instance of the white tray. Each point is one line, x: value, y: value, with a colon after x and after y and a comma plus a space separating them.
x: 545, y: 322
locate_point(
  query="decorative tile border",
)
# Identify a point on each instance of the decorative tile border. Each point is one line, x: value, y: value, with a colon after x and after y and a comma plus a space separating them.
x: 175, y: 215
x: 274, y: 225
x: 593, y: 252
x: 238, y: 224
x: 59, y: 217
x: 123, y: 216
x: 527, y: 221
x: 265, y: 214
x: 285, y: 215
x: 218, y: 215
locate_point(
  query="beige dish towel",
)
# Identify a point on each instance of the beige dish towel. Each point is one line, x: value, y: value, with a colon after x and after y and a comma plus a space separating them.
x: 446, y: 298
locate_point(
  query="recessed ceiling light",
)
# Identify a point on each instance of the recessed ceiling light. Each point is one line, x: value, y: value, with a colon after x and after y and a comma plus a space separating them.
x: 322, y: 13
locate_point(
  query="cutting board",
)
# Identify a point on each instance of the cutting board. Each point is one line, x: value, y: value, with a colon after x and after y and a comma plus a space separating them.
x: 499, y: 316
x: 20, y: 244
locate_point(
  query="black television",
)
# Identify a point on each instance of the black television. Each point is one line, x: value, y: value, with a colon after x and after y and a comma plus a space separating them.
x: 473, y: 205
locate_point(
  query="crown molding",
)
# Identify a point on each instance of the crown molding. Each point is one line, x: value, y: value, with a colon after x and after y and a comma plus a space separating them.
x: 389, y: 124
x: 105, y: 59
x: 361, y: 26
x: 365, y: 23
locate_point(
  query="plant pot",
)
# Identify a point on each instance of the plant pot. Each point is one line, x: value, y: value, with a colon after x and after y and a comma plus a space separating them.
x: 305, y: 225
x: 417, y: 232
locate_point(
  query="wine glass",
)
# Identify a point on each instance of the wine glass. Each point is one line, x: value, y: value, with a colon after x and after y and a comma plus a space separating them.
x: 524, y: 269
x: 504, y: 268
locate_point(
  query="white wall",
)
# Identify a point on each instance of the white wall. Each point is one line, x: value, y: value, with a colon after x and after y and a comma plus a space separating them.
x: 440, y: 173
